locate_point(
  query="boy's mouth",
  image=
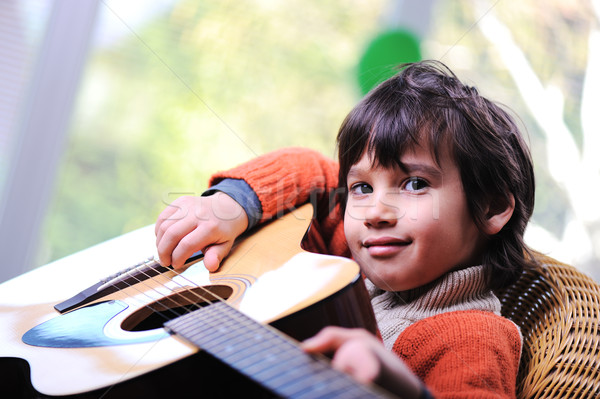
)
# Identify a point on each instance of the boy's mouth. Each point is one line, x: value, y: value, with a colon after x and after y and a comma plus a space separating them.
x: 385, y: 246
x: 371, y: 242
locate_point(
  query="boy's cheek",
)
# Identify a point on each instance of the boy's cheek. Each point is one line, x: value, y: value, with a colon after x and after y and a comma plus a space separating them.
x: 353, y: 213
x: 356, y: 213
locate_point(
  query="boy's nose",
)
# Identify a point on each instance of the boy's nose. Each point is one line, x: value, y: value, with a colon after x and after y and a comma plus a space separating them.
x: 382, y: 212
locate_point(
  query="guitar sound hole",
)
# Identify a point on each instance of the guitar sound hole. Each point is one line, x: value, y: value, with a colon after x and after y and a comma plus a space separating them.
x: 157, y: 313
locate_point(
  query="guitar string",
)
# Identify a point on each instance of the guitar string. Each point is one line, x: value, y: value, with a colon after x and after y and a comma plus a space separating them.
x: 153, y: 301
x: 154, y: 266
x: 163, y: 297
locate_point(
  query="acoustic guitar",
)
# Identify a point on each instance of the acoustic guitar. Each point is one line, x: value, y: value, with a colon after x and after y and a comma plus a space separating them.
x: 148, y: 331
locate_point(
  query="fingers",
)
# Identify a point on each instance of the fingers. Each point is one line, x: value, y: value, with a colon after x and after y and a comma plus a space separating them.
x: 214, y: 254
x: 330, y: 339
x: 324, y: 342
x: 189, y: 224
x: 177, y: 236
x: 363, y: 356
x: 170, y: 235
x: 214, y: 247
x: 170, y: 215
x: 182, y: 246
x: 355, y: 352
x: 358, y: 360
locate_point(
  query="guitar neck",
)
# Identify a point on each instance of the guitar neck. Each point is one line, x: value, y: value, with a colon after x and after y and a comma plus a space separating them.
x: 265, y: 355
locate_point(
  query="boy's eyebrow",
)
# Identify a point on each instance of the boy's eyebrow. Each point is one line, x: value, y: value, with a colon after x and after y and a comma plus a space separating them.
x: 357, y: 172
x: 422, y: 168
x: 406, y: 167
x: 354, y: 170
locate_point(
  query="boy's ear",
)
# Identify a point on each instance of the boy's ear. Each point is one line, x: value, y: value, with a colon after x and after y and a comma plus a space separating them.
x: 498, y: 214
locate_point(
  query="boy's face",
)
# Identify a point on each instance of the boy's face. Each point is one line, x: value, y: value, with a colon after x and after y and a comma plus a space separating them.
x: 406, y: 228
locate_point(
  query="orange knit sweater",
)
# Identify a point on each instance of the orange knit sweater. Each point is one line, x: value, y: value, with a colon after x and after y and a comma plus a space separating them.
x: 460, y: 354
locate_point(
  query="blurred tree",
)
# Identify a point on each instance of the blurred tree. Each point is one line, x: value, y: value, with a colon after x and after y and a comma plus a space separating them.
x: 200, y: 86
x: 541, y: 59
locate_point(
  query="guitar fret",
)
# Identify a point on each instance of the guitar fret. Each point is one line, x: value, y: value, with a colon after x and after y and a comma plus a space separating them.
x: 273, y: 347
x: 241, y: 346
x: 197, y: 327
x: 295, y: 385
x: 241, y: 351
x: 346, y: 392
x: 235, y: 354
x: 290, y: 383
x: 223, y: 337
x: 209, y: 334
x: 194, y: 322
x: 348, y: 388
x: 331, y: 388
x: 246, y: 340
x: 201, y: 327
x: 282, y: 368
x: 274, y: 376
x: 259, y: 361
x: 264, y: 355
x: 224, y: 340
x: 247, y: 363
x: 278, y: 361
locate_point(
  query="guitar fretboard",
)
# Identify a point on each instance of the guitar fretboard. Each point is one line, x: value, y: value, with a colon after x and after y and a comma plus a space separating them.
x: 265, y: 355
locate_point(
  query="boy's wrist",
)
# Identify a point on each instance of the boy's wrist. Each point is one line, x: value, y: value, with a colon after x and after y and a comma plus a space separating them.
x: 243, y: 194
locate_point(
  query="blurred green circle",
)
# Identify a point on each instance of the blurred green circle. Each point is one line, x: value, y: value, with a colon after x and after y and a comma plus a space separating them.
x: 385, y: 52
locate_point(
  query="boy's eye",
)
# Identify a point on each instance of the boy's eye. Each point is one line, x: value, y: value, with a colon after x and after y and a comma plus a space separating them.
x: 415, y: 184
x: 361, y: 188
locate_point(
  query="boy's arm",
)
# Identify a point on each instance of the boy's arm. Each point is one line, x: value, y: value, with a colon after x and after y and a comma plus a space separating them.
x: 267, y: 187
x: 464, y: 353
x: 243, y: 194
x: 284, y: 179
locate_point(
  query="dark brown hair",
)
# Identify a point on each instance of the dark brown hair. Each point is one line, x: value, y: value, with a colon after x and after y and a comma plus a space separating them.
x: 425, y: 103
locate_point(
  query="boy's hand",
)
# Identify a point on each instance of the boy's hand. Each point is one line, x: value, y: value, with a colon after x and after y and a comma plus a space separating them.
x: 361, y: 355
x: 190, y: 224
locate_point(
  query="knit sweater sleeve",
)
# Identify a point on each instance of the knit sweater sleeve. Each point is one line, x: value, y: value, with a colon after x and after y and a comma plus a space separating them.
x: 463, y: 354
x: 287, y: 178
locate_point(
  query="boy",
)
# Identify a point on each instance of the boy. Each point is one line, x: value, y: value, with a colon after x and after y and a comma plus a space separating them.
x: 431, y: 197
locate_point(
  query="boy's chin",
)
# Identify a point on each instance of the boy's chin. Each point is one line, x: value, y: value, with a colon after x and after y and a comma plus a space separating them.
x: 389, y: 283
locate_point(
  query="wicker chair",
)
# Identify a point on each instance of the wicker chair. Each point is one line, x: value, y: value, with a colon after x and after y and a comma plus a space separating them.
x: 558, y: 310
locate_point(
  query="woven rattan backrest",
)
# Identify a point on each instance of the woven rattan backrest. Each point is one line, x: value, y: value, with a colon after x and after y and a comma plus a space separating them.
x: 558, y: 310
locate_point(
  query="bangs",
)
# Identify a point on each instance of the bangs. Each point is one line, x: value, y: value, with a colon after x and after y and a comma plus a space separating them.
x: 385, y: 128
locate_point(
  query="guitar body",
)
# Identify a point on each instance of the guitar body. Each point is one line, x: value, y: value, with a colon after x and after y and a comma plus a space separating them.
x: 116, y: 345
